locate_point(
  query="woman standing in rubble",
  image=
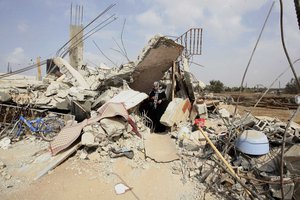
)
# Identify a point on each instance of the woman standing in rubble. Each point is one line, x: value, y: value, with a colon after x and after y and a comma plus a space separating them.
x: 157, y: 104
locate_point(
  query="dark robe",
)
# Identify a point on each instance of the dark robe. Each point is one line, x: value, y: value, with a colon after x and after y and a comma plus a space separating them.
x: 156, y: 110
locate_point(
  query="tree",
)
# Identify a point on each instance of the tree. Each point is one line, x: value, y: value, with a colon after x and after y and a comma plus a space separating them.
x: 216, y: 86
x: 292, y: 87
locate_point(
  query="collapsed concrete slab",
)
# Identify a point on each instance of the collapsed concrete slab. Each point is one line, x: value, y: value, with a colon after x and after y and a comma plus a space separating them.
x: 154, y: 61
x: 130, y: 98
x: 72, y: 75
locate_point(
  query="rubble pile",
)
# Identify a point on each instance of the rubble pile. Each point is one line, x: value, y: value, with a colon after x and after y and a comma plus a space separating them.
x: 206, y: 141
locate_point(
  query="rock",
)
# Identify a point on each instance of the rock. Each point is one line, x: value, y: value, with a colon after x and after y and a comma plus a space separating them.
x: 104, y: 97
x: 43, y: 100
x: 224, y: 113
x: 7, y: 177
x: 114, y: 127
x: 292, y: 159
x: 62, y: 104
x: 4, y: 97
x: 62, y: 93
x: 5, y: 143
x: 103, y: 153
x: 55, y: 87
x: 190, y: 145
x: 2, y: 165
x: 95, y: 156
x: 4, y: 173
x: 83, y: 155
x: 288, y: 189
x: 88, y: 139
x: 192, y: 174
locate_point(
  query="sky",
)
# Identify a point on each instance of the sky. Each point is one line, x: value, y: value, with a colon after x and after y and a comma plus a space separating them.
x: 38, y: 28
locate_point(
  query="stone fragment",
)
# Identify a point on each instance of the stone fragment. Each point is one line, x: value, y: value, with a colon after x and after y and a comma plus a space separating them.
x: 292, y: 159
x: 224, y: 113
x: 83, y: 155
x: 190, y: 145
x: 88, y: 139
x: 4, y: 97
x: 7, y: 176
x: 113, y: 126
x: 157, y: 57
x: 288, y: 189
x: 2, y: 165
x: 5, y: 143
x: 104, y: 97
x: 95, y: 156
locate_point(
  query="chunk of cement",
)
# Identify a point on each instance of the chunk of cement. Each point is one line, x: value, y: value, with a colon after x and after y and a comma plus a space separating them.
x: 224, y: 113
x: 161, y: 148
x: 71, y: 73
x: 104, y: 97
x: 130, y: 98
x: 113, y: 126
x: 178, y: 110
x: 292, y: 159
x: 157, y: 57
x: 288, y: 190
x: 88, y: 139
x: 4, y: 97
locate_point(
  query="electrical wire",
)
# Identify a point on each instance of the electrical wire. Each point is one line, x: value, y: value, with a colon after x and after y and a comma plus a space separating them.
x: 102, y: 13
x: 89, y: 36
x: 78, y: 41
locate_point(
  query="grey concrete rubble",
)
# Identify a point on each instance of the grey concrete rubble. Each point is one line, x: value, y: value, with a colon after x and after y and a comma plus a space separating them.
x: 198, y: 125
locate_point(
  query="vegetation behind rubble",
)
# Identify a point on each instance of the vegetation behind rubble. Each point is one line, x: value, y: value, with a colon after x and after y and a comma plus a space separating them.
x: 291, y: 87
x: 215, y: 86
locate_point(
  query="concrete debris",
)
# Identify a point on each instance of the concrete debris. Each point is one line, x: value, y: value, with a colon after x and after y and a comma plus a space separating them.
x: 5, y: 143
x: 178, y: 110
x: 113, y: 120
x: 153, y: 62
x: 71, y: 75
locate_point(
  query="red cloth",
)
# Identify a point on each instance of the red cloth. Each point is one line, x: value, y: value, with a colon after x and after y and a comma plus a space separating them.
x: 200, y: 122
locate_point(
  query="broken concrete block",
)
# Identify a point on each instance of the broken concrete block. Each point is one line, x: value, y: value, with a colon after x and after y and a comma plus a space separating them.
x: 83, y: 155
x: 62, y: 93
x: 5, y: 143
x: 288, y: 189
x: 52, y: 89
x: 95, y: 156
x: 130, y: 98
x: 190, y: 145
x: 88, y: 139
x: 2, y: 165
x: 62, y: 104
x: 73, y: 75
x: 114, y: 127
x: 224, y: 113
x: 43, y: 100
x: 292, y: 159
x: 4, y: 97
x: 177, y: 111
x: 156, y: 58
x: 198, y: 138
x: 105, y: 97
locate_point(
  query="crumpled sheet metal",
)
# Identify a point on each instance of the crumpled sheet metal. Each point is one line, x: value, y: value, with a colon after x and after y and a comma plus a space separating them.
x: 71, y: 132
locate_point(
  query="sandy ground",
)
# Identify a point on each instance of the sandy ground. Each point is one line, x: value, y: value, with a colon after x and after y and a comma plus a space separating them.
x: 283, y: 115
x: 84, y: 179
